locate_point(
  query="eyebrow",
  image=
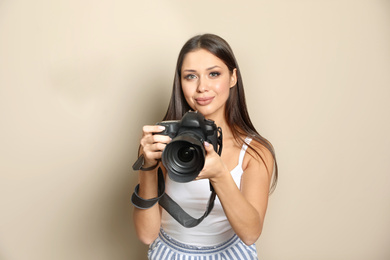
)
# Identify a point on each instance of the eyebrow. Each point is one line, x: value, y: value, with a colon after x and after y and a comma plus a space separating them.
x: 211, y: 68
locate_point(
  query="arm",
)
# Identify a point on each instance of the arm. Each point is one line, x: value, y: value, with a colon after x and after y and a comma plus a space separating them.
x: 147, y: 221
x: 245, y: 208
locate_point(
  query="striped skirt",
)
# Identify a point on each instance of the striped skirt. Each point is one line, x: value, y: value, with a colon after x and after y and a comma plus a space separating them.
x: 166, y: 248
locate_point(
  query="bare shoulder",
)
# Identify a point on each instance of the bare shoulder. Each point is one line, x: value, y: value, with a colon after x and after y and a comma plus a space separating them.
x: 258, y: 157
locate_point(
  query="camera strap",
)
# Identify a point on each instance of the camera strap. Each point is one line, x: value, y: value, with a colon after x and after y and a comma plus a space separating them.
x: 219, y: 141
x: 170, y: 205
x: 180, y: 215
x: 177, y: 212
x: 142, y: 203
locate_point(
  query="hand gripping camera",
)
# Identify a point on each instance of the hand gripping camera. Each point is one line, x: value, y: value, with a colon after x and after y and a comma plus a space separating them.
x: 184, y: 156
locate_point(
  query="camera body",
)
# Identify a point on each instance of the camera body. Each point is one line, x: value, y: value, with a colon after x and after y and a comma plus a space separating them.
x: 184, y: 156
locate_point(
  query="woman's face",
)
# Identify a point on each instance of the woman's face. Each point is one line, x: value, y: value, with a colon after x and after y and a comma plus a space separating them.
x: 206, y: 81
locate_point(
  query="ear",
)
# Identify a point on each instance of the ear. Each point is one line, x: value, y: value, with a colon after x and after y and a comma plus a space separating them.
x: 233, y: 78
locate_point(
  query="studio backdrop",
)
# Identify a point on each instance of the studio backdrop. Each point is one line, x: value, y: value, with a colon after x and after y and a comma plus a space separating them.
x: 79, y: 79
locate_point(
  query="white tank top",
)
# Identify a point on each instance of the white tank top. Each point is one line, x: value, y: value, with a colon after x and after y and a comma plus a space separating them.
x: 193, y: 198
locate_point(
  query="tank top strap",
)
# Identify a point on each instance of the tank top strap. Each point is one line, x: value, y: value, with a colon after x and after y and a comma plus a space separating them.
x: 243, y: 150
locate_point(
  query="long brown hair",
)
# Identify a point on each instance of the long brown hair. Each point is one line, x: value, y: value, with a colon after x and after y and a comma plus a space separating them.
x: 236, y: 112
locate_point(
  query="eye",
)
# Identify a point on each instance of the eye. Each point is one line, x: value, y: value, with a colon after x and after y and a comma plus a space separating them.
x: 190, y: 76
x: 214, y: 74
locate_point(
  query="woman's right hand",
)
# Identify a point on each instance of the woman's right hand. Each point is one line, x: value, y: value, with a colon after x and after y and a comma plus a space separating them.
x: 152, y: 144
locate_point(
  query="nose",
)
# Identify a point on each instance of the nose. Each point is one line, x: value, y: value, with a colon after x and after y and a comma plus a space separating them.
x: 202, y: 85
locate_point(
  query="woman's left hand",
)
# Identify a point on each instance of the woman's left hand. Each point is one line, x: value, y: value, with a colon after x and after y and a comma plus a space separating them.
x: 214, y: 167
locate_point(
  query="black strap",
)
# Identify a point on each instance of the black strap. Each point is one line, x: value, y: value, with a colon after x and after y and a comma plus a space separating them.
x: 138, y: 165
x: 180, y: 215
x: 148, y: 203
x: 169, y: 204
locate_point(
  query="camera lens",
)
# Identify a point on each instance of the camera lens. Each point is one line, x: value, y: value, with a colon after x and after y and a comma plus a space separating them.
x: 184, y: 157
x: 186, y: 154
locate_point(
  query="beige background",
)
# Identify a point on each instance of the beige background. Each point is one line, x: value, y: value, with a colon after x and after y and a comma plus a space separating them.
x: 78, y: 79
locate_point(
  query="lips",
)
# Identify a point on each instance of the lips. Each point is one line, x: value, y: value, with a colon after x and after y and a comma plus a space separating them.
x: 203, y: 101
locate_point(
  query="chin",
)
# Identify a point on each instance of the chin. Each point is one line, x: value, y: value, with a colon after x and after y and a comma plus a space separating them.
x: 204, y: 110
x: 213, y: 115
x: 209, y: 111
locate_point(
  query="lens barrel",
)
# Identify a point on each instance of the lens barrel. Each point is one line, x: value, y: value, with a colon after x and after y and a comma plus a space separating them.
x: 184, y: 157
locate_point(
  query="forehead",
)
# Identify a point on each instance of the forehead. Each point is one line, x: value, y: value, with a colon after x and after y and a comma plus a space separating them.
x: 201, y: 59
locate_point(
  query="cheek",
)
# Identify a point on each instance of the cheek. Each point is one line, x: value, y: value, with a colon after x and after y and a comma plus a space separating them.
x: 187, y: 92
x: 223, y: 88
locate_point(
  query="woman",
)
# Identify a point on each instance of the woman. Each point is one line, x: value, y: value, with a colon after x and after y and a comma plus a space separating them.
x: 208, y: 80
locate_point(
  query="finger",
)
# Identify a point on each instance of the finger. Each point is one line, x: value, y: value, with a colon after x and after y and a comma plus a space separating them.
x: 158, y: 147
x: 199, y: 177
x: 209, y: 147
x: 155, y: 147
x: 149, y: 129
x: 152, y: 155
x: 161, y: 138
x: 146, y: 140
x: 150, y: 139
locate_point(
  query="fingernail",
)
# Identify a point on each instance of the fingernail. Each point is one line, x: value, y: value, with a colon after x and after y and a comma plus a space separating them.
x: 206, y: 144
x: 160, y: 127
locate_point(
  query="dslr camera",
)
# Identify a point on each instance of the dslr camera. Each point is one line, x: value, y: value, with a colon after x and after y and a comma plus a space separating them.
x: 184, y: 156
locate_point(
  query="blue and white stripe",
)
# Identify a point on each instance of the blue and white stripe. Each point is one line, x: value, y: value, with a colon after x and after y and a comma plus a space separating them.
x: 166, y: 248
